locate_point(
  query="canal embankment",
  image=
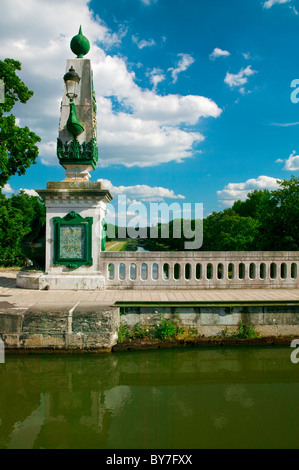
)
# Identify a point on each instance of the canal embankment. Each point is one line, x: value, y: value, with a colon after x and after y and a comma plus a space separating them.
x: 90, y: 326
x: 114, y: 320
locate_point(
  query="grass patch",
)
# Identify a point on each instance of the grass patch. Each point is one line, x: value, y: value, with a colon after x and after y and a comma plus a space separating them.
x: 116, y: 245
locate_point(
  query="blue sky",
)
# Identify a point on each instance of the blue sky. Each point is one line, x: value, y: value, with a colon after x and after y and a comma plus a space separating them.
x: 194, y: 97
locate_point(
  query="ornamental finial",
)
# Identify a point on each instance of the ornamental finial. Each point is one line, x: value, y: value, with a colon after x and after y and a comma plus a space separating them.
x: 80, y: 45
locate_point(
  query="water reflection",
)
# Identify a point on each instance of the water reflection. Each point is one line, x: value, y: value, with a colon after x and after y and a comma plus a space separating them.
x: 196, y: 398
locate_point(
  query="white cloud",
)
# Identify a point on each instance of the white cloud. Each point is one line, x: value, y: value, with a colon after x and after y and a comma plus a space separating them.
x: 173, y: 109
x: 217, y: 52
x: 183, y: 64
x: 142, y: 43
x: 30, y: 192
x: 284, y: 124
x: 148, y: 2
x: 292, y: 163
x: 294, y: 10
x: 238, y: 191
x: 147, y: 130
x: 47, y: 152
x: 269, y: 3
x: 140, y: 191
x: 132, y: 141
x: 156, y: 76
x: 240, y: 78
x: 7, y: 189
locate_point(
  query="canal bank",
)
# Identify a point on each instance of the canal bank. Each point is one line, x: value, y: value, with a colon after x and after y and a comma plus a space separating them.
x: 91, y: 320
x: 90, y: 326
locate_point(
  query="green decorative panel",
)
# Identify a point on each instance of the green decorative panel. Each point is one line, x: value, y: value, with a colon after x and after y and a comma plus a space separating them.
x: 72, y: 240
x: 103, y: 235
x: 74, y: 153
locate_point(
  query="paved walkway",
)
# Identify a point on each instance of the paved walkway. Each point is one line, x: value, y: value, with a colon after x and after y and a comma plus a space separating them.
x: 12, y: 297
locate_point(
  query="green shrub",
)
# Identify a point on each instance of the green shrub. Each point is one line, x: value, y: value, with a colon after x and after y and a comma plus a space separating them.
x: 139, y: 332
x: 167, y: 330
x: 124, y: 333
x: 244, y: 332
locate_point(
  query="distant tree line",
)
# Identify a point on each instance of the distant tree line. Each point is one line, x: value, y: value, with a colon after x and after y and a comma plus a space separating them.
x: 266, y: 220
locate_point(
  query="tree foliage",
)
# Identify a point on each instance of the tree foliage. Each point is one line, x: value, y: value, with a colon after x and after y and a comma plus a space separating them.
x: 16, y: 216
x: 265, y: 221
x: 228, y: 231
x: 18, y: 148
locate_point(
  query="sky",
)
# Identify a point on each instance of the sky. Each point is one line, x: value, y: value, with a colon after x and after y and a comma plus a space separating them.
x: 197, y: 100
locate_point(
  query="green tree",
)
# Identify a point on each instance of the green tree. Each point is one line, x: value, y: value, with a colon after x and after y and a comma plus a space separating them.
x: 284, y: 227
x: 17, y: 144
x: 278, y: 215
x: 228, y: 231
x: 17, y: 213
x: 256, y: 205
x: 262, y: 207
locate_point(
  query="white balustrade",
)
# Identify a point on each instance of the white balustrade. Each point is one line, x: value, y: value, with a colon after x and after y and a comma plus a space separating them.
x: 200, y: 270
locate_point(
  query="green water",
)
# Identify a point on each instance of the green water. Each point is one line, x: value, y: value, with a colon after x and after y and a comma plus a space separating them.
x: 238, y: 397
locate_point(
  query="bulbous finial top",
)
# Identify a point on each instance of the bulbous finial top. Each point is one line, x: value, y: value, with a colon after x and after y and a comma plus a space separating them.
x: 80, y: 44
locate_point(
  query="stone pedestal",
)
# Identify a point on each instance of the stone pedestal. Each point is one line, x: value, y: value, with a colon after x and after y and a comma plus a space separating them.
x: 74, y: 231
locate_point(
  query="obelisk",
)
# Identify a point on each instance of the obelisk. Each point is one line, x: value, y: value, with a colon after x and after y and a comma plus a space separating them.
x: 75, y: 206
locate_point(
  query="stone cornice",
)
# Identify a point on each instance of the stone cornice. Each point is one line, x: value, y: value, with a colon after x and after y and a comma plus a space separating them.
x: 74, y: 190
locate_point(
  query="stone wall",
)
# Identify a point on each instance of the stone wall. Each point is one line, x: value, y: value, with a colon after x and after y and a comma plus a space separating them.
x: 210, y: 321
x: 86, y: 327
x: 92, y: 327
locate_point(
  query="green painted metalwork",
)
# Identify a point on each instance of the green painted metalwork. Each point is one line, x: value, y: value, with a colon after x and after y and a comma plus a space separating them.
x: 80, y: 45
x: 103, y: 235
x: 74, y: 125
x: 76, y: 153
x: 72, y: 240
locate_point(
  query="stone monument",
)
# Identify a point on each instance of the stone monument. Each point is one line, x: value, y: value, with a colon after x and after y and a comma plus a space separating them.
x: 75, y: 206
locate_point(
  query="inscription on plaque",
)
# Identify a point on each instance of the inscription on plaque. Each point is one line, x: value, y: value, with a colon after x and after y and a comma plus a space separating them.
x: 72, y: 241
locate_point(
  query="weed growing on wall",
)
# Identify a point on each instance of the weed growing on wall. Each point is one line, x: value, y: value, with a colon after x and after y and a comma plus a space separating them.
x: 166, y: 330
x: 244, y: 332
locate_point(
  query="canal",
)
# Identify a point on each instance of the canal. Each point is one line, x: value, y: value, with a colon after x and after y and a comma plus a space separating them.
x: 206, y: 397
